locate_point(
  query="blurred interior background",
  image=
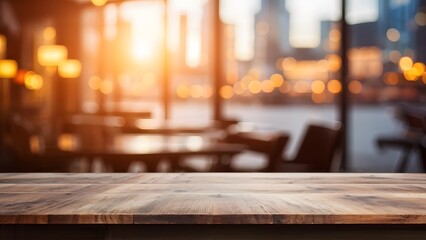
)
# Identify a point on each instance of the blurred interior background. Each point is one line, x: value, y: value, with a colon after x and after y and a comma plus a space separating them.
x: 274, y: 64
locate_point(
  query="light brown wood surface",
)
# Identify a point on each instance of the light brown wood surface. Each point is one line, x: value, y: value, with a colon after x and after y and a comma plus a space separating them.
x: 213, y: 198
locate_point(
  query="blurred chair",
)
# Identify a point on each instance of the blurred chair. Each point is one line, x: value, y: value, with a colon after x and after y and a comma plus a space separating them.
x: 316, y: 151
x: 410, y: 139
x: 269, y: 145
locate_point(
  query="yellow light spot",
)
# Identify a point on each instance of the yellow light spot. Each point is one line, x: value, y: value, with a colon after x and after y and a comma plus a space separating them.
x: 245, y: 81
x: 268, y: 86
x: 196, y: 91
x: 183, y: 91
x: 51, y: 55
x: 391, y: 78
x: 355, y: 87
x: 285, y: 88
x: 420, y: 68
x: 334, y: 62
x: 99, y: 3
x: 33, y: 81
x: 255, y: 86
x: 289, y: 64
x: 334, y: 86
x: 226, y: 92
x: 411, y: 74
x: 262, y: 28
x: 421, y: 19
x: 393, y: 34
x: 69, y: 68
x: 405, y: 63
x: 301, y: 87
x: 49, y: 33
x: 318, y: 98
x: 394, y: 56
x: 106, y: 87
x: 95, y: 82
x: 334, y: 35
x: 277, y: 80
x: 8, y: 68
x: 318, y: 87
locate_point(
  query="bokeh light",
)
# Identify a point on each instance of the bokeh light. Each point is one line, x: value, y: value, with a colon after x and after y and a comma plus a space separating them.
x: 226, y: 92
x: 277, y: 80
x: 391, y: 78
x: 318, y: 87
x: 420, y: 19
x: 95, y: 82
x: 405, y: 63
x: 49, y: 33
x: 33, y: 81
x: 355, y: 87
x: 318, y: 98
x: 334, y: 62
x: 183, y: 91
x: 196, y: 91
x: 393, y: 34
x: 289, y: 64
x: 268, y: 86
x: 99, y: 3
x: 106, y: 87
x: 334, y: 86
x: 286, y: 87
x: 255, y: 86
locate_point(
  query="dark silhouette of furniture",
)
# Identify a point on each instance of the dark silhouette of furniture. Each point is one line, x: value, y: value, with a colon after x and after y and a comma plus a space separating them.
x: 316, y: 151
x: 270, y: 145
x: 410, y: 140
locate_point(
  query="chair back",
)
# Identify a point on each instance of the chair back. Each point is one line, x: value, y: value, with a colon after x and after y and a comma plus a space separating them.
x: 319, y: 145
x: 269, y: 144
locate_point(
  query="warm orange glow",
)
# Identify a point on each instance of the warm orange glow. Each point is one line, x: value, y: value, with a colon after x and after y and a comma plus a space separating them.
x: 2, y: 46
x: 355, y: 87
x: 207, y: 91
x: 99, y: 3
x: 268, y: 86
x: 196, y: 91
x: 51, y: 55
x: 8, y: 68
x: 411, y: 74
x: 255, y: 86
x: 277, y: 80
x: 33, y: 81
x: 419, y: 68
x: 334, y: 62
x: 391, y: 78
x: 393, y: 34
x: 394, y: 56
x: 302, y: 87
x: 70, y: 68
x: 279, y: 63
x: 405, y: 63
x: 106, y: 87
x: 424, y: 78
x: 334, y: 86
x: 20, y: 76
x: 67, y: 142
x: 421, y: 19
x: 318, y: 87
x: 95, y: 82
x: 49, y: 33
x: 226, y: 92
x: 150, y: 79
x: 183, y: 91
x: 318, y: 98
x: 289, y: 64
x: 285, y: 88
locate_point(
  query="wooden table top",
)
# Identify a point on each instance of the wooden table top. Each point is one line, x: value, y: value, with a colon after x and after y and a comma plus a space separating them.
x: 212, y: 198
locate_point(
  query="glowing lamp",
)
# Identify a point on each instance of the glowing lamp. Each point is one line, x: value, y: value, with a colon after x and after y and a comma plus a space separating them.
x: 51, y: 55
x: 99, y: 3
x: 70, y: 68
x: 8, y: 68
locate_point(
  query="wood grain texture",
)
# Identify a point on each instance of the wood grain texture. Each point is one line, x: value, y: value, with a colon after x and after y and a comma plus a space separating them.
x: 212, y: 198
